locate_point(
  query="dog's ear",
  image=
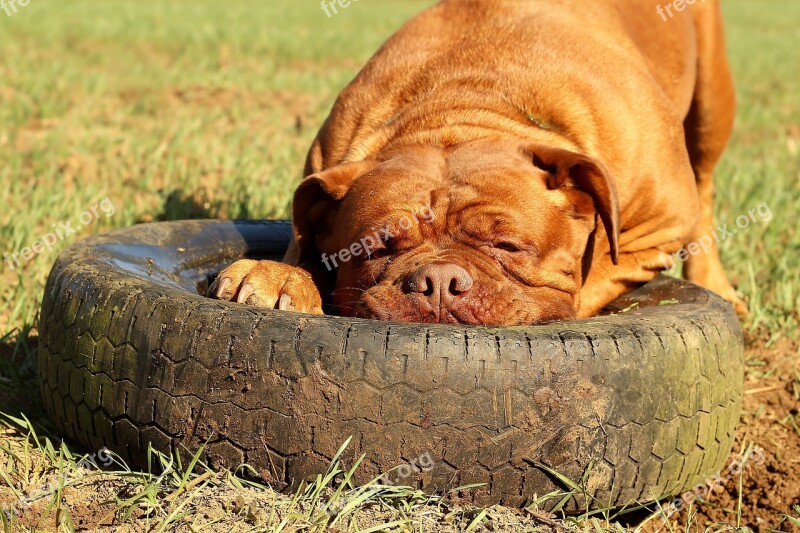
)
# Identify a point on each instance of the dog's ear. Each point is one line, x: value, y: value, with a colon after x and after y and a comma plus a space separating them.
x: 317, y: 200
x: 569, y: 169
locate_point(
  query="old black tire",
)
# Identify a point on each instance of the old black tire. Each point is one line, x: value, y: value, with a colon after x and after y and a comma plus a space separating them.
x: 131, y: 354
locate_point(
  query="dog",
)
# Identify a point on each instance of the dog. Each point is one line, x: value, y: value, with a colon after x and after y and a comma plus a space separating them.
x: 563, y: 150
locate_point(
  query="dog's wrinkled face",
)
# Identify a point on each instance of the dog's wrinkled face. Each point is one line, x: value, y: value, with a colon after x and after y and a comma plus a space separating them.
x: 479, y: 234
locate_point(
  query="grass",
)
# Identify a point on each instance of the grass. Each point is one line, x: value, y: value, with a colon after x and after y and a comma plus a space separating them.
x: 200, y: 109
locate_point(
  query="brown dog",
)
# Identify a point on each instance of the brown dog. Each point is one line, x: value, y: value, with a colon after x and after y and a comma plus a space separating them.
x: 561, y: 150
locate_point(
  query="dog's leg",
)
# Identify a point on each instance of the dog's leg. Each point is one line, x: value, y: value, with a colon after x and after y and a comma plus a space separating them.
x: 708, y: 128
x: 607, y: 281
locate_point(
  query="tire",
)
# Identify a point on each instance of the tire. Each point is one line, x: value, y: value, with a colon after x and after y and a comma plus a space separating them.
x: 642, y: 403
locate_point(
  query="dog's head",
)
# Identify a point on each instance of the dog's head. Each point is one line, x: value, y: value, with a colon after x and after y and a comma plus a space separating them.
x: 477, y: 234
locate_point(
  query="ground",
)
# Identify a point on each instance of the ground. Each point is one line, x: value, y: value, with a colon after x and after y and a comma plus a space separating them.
x: 121, y: 112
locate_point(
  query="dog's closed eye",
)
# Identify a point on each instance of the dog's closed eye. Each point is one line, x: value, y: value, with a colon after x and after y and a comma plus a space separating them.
x: 378, y: 253
x: 507, y: 246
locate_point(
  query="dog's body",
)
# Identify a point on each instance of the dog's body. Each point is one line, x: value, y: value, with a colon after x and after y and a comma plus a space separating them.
x: 565, y: 150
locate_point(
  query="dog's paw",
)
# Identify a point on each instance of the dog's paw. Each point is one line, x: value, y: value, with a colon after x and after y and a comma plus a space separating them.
x: 722, y: 286
x: 267, y: 284
x: 737, y: 303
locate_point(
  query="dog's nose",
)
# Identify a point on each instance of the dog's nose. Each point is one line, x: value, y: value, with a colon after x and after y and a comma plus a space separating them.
x: 439, y: 281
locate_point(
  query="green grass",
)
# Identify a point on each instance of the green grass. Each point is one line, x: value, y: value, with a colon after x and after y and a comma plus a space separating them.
x: 763, y: 163
x: 205, y: 109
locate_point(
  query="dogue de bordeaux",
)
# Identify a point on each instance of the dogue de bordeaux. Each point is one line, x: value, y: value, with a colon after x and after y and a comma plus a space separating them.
x: 562, y: 150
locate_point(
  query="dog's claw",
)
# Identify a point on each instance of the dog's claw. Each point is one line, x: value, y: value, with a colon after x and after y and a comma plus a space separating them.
x: 285, y: 302
x: 245, y: 292
x: 220, y: 287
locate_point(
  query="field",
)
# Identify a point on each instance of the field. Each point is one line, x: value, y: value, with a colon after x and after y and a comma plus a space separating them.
x: 141, y: 111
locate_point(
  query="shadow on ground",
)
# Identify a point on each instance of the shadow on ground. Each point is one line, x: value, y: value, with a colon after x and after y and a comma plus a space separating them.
x: 19, y: 389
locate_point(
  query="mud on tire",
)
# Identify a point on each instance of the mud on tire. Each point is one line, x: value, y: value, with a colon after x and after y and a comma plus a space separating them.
x: 131, y: 354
